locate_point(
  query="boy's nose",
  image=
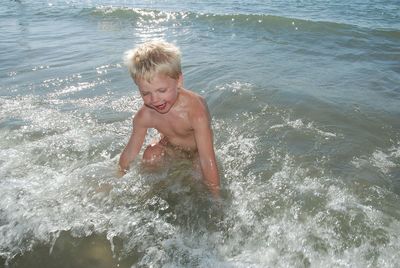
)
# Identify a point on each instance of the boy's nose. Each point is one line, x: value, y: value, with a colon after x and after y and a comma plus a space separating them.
x: 154, y: 97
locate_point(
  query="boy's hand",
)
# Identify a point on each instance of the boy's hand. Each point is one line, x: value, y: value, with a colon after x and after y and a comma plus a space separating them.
x: 121, y: 172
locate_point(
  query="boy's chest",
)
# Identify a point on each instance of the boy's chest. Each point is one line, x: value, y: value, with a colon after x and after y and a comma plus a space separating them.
x: 174, y: 125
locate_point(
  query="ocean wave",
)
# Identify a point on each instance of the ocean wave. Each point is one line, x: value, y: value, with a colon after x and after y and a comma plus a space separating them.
x: 254, y: 21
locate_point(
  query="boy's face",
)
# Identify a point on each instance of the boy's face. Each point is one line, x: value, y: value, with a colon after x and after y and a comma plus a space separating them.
x: 161, y: 93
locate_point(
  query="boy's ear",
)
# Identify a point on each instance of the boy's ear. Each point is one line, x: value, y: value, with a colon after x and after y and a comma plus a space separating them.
x: 180, y: 80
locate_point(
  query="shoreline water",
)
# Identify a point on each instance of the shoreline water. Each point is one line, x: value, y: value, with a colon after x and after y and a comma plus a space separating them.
x: 305, y: 105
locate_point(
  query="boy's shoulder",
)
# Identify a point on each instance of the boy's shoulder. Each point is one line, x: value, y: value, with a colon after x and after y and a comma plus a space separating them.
x: 193, y: 98
x: 197, y: 105
x: 143, y: 116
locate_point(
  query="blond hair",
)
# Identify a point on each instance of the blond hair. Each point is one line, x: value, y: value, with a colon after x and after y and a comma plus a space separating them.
x: 152, y: 58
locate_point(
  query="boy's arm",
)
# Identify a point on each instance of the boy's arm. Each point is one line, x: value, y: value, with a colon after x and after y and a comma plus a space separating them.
x: 134, y: 144
x: 204, y: 140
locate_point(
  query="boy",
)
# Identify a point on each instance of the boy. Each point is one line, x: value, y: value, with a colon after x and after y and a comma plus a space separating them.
x: 179, y: 115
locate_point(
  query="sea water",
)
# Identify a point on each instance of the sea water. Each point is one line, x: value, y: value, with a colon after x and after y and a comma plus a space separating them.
x: 305, y: 103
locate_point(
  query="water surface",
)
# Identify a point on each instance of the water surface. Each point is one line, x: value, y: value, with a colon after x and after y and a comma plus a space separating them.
x: 304, y: 97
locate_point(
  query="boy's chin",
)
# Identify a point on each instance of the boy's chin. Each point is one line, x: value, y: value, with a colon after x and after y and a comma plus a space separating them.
x: 162, y: 112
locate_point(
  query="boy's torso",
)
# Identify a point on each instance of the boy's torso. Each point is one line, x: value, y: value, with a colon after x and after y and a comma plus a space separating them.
x: 176, y: 125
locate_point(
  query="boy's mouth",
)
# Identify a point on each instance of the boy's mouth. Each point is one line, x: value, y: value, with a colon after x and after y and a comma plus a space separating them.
x: 161, y: 106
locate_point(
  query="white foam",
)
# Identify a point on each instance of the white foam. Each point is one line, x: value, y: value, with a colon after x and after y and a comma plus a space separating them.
x: 384, y: 161
x: 298, y: 124
x: 236, y: 87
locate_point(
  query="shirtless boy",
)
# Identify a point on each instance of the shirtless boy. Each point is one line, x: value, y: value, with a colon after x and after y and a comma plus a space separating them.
x: 180, y: 116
